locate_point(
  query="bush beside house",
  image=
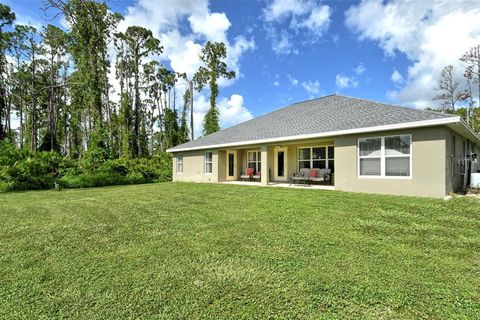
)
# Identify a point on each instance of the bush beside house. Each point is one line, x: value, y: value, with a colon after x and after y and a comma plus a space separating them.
x: 23, y: 170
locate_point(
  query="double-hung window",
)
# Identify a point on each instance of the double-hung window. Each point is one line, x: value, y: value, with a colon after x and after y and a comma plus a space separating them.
x: 316, y: 157
x: 254, y: 160
x: 388, y: 156
x: 179, y: 164
x: 208, y: 162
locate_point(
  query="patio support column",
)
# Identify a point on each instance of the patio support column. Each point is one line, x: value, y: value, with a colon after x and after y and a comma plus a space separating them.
x: 265, y: 165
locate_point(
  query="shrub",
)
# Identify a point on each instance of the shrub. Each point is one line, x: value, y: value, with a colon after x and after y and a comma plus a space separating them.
x: 22, y: 171
x: 92, y: 179
x: 4, y: 187
x: 119, y: 171
x: 9, y: 154
x: 36, y: 171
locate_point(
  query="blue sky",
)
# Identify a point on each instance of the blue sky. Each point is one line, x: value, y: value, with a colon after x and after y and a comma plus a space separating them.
x: 292, y: 50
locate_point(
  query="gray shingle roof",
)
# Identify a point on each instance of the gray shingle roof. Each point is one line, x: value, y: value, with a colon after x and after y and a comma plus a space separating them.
x: 326, y: 114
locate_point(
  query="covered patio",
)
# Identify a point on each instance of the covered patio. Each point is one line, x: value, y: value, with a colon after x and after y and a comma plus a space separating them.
x: 303, y: 164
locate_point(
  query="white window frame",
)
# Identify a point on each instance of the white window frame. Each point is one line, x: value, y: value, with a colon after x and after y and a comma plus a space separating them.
x: 383, y: 158
x: 327, y: 159
x: 258, y: 152
x: 180, y: 162
x: 205, y: 162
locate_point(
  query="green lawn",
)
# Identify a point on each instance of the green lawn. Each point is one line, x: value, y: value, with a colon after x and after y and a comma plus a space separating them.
x: 200, y: 251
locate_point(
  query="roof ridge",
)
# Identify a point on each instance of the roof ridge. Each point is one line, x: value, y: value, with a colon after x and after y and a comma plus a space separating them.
x: 397, y: 106
x: 313, y: 99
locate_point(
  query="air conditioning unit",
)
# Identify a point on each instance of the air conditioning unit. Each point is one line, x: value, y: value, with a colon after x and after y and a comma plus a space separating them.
x: 475, y: 180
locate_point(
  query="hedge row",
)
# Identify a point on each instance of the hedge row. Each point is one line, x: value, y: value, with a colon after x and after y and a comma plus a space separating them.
x: 23, y: 170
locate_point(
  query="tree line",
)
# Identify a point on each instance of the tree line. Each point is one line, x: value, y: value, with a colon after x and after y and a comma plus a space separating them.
x: 56, y: 83
x: 458, y: 99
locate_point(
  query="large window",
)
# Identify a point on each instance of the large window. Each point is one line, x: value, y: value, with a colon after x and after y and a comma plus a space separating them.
x: 254, y: 160
x: 208, y: 162
x: 316, y: 157
x: 179, y: 164
x: 385, y: 156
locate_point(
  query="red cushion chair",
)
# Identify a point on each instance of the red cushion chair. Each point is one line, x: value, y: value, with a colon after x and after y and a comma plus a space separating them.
x: 250, y: 171
x: 312, y: 174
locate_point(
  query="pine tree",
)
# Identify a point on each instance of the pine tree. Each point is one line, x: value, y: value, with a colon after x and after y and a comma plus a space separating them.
x: 6, y: 19
x: 448, y: 87
x: 138, y: 44
x: 212, y: 56
x: 54, y: 48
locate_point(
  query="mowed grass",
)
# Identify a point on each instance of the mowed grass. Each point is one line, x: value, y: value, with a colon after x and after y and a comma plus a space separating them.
x: 199, y: 251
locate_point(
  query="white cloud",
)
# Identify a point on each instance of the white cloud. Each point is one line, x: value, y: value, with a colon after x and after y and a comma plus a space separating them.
x: 200, y: 108
x: 306, y: 20
x: 431, y: 34
x: 343, y: 82
x: 212, y: 25
x: 282, y: 44
x: 162, y: 16
x: 335, y: 38
x: 312, y: 87
x: 233, y: 111
x: 280, y: 9
x: 293, y: 81
x: 397, y: 77
x: 182, y: 52
x: 276, y: 83
x: 317, y: 21
x: 234, y: 53
x: 360, y: 69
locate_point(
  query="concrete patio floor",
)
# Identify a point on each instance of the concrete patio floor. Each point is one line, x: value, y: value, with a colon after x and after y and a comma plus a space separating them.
x: 282, y: 185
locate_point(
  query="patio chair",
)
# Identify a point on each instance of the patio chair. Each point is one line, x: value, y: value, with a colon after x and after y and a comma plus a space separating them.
x: 319, y: 175
x: 298, y: 177
x: 257, y: 176
x: 248, y: 174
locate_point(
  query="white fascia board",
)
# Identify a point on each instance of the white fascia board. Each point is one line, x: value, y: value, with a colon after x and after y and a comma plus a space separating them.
x: 466, y: 131
x: 406, y: 125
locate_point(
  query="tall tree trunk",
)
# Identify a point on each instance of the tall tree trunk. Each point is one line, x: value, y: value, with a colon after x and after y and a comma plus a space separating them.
x: 2, y: 87
x: 97, y: 98
x: 66, y: 118
x: 174, y: 98
x: 167, y: 121
x: 21, y: 121
x: 8, y: 124
x: 191, y: 111
x: 51, y: 120
x: 478, y: 79
x: 33, y: 142
x: 137, y: 104
x: 107, y: 102
x: 160, y: 121
x: 20, y: 105
x: 169, y: 98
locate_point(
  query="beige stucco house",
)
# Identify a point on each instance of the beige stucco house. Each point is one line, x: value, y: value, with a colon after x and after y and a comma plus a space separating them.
x: 364, y: 146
